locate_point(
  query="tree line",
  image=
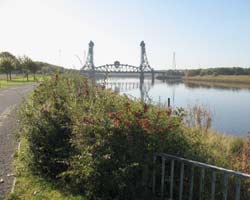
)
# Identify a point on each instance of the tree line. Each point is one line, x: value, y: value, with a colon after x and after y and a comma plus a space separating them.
x: 10, y: 64
x: 219, y: 71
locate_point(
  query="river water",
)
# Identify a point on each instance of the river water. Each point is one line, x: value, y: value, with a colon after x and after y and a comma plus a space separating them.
x: 229, y: 106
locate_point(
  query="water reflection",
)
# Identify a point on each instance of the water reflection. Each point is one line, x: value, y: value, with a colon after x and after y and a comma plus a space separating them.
x: 230, y: 105
x: 126, y: 85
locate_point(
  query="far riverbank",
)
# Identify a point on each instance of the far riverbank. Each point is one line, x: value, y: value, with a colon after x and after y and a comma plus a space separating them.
x: 242, y: 81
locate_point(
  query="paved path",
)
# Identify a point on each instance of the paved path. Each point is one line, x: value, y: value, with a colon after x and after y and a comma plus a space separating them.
x: 9, y: 99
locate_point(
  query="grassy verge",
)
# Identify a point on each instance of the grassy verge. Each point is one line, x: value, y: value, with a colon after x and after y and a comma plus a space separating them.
x: 33, y: 187
x: 20, y: 80
x: 236, y: 79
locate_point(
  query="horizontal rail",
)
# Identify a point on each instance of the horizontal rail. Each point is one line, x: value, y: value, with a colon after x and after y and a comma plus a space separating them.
x: 204, y: 165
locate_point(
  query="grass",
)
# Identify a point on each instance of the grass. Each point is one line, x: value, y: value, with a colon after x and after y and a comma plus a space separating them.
x: 33, y: 187
x: 236, y: 80
x: 20, y: 80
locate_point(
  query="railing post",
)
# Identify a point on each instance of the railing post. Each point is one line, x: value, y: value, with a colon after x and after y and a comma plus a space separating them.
x: 154, y: 174
x: 225, y: 186
x: 181, y: 181
x: 162, y: 176
x: 191, y: 183
x: 202, y: 183
x: 213, y: 185
x: 172, y: 180
x: 238, y: 185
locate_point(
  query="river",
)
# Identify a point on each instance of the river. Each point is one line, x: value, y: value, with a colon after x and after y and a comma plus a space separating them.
x: 229, y: 106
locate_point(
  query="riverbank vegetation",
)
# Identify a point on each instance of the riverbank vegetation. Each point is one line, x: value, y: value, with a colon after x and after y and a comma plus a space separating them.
x: 224, y: 71
x: 80, y: 140
x: 240, y: 80
x: 234, y: 75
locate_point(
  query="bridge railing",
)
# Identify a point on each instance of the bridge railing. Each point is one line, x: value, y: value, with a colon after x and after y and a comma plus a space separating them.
x: 175, y: 177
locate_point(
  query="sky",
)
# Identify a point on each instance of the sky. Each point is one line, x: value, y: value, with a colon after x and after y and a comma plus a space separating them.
x: 207, y: 33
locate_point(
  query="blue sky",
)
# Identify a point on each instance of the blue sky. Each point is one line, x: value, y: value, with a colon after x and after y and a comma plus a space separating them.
x: 207, y: 33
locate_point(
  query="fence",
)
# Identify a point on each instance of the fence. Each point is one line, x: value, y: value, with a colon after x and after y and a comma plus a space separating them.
x: 220, y: 180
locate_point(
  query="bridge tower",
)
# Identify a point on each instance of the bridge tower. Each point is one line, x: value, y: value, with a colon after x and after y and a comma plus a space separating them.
x: 89, y: 64
x: 144, y: 65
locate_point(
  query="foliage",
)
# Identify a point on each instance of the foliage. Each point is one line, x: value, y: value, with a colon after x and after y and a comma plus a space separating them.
x: 52, y: 147
x: 8, y: 63
x: 28, y: 66
x: 6, y: 54
x: 24, y: 64
x: 47, y: 68
x: 31, y: 187
x: 219, y: 71
x: 241, y: 161
x: 99, y: 143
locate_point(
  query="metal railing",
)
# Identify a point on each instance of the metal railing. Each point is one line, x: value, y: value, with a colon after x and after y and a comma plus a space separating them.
x: 197, y: 173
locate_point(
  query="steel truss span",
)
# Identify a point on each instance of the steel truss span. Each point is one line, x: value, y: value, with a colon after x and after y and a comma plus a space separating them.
x: 117, y: 67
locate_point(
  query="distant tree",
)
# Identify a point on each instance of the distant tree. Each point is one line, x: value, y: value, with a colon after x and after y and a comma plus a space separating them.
x: 45, y: 70
x: 7, y: 65
x: 6, y: 54
x: 34, y: 67
x: 28, y: 66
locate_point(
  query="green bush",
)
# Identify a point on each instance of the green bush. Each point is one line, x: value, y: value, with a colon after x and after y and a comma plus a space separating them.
x: 99, y: 143
x: 48, y: 125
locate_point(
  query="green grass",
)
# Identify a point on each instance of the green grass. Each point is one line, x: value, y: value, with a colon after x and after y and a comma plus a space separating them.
x: 34, y: 187
x: 20, y: 80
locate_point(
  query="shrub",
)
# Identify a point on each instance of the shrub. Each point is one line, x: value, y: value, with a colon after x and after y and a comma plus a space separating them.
x: 47, y: 120
x: 100, y: 143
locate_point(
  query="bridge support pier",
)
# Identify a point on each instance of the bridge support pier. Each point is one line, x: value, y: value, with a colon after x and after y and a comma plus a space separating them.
x: 141, y: 77
x: 153, y: 77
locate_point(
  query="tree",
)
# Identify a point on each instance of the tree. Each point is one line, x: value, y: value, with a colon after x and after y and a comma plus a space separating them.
x: 6, y: 54
x: 45, y: 70
x: 7, y: 65
x: 27, y: 65
x: 34, y: 67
